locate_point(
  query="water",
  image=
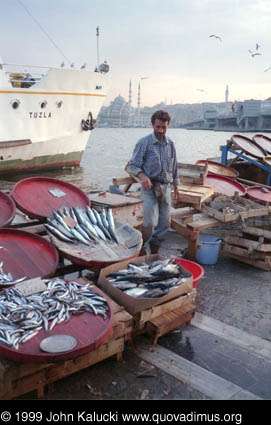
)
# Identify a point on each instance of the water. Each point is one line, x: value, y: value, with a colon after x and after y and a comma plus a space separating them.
x: 109, y: 149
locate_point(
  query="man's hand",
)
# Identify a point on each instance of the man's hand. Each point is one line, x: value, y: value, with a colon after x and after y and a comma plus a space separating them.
x: 145, y: 181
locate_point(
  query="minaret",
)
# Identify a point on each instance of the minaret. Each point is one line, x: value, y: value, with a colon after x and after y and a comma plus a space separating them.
x: 227, y: 94
x: 138, y: 104
x: 130, y: 103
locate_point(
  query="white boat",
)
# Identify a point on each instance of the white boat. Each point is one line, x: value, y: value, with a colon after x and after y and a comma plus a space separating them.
x: 46, y: 114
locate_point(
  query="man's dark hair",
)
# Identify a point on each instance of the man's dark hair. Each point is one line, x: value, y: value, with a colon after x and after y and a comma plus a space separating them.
x: 160, y: 115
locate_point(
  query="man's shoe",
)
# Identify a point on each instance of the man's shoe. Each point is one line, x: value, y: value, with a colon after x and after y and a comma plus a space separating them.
x: 154, y: 249
x: 142, y: 252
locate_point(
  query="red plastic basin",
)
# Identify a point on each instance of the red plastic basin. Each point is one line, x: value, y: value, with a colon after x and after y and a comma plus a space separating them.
x: 195, y: 269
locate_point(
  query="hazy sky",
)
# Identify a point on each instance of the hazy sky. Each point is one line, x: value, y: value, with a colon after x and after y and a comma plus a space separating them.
x: 166, y: 40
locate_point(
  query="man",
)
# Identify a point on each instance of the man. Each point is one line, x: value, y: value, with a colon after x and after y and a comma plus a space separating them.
x: 154, y: 161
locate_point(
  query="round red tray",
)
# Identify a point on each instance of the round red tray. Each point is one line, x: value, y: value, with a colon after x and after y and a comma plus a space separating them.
x: 99, y: 256
x: 257, y: 194
x: 32, y: 196
x: 90, y: 332
x: 248, y: 146
x: 217, y: 168
x: 26, y: 254
x: 263, y: 141
x: 225, y: 185
x: 7, y: 209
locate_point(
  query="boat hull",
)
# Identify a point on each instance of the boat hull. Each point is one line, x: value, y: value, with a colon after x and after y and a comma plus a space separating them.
x: 41, y: 127
x: 51, y: 154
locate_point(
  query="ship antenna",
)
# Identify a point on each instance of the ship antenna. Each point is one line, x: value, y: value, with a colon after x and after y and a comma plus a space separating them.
x: 98, y: 58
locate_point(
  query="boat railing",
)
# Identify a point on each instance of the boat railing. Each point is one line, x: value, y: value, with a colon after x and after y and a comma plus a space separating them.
x: 24, y: 76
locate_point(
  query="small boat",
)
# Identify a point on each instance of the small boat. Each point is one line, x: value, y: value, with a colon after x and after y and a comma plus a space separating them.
x: 46, y: 114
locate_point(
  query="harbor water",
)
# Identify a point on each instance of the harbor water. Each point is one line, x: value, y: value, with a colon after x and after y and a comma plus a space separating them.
x: 109, y: 149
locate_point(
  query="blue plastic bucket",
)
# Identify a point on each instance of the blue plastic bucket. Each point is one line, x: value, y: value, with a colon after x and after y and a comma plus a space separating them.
x: 208, y: 249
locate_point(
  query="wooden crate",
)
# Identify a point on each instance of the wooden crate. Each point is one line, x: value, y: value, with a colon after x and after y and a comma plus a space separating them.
x: 192, y: 173
x: 252, y: 247
x: 143, y: 317
x: 233, y: 208
x: 165, y: 323
x: 20, y: 378
x: 193, y: 195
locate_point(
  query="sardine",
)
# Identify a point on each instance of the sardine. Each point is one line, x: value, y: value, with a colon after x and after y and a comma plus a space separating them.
x: 57, y: 233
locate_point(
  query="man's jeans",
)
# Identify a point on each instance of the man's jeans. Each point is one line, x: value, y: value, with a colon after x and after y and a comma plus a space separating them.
x: 156, y: 215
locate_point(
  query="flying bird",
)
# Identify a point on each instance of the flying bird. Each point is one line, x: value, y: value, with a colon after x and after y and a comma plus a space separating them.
x: 254, y: 54
x: 204, y: 91
x: 216, y: 36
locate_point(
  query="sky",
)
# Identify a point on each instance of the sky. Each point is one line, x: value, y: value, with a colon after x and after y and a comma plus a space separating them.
x: 167, y: 41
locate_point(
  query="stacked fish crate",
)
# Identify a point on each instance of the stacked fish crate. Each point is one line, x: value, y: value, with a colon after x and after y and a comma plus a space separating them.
x: 157, y: 300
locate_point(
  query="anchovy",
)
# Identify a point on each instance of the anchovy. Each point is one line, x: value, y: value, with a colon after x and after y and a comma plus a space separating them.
x: 45, y: 310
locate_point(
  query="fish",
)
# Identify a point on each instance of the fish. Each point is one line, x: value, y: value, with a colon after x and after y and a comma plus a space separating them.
x: 79, y: 237
x: 91, y: 215
x: 136, y: 292
x: 156, y: 293
x: 123, y: 285
x: 110, y: 218
x: 57, y: 233
x: 21, y: 317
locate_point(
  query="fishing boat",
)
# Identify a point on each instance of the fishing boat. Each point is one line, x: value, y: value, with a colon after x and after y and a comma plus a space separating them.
x: 47, y: 114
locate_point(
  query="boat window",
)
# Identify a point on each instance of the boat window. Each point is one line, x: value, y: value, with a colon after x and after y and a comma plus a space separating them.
x: 15, y: 103
x: 43, y: 104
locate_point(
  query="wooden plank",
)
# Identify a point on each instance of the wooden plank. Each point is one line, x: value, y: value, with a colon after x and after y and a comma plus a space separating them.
x: 209, y: 384
x: 264, y: 265
x: 243, y: 252
x: 252, y: 343
x: 247, y: 243
x: 203, y: 223
x: 146, y: 315
x: 112, y: 200
x: 123, y: 180
x: 59, y: 370
x: 165, y: 323
x: 257, y: 231
x: 183, y: 230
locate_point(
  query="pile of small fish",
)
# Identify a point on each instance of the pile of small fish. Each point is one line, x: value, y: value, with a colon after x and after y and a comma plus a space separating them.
x: 22, y: 317
x: 88, y: 225
x: 6, y: 279
x: 152, y: 279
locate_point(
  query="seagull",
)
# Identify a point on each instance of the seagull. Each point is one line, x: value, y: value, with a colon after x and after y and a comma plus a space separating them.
x: 72, y: 65
x: 254, y: 54
x: 216, y: 36
x: 204, y: 91
x: 62, y: 65
x: 83, y: 66
x: 267, y: 69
